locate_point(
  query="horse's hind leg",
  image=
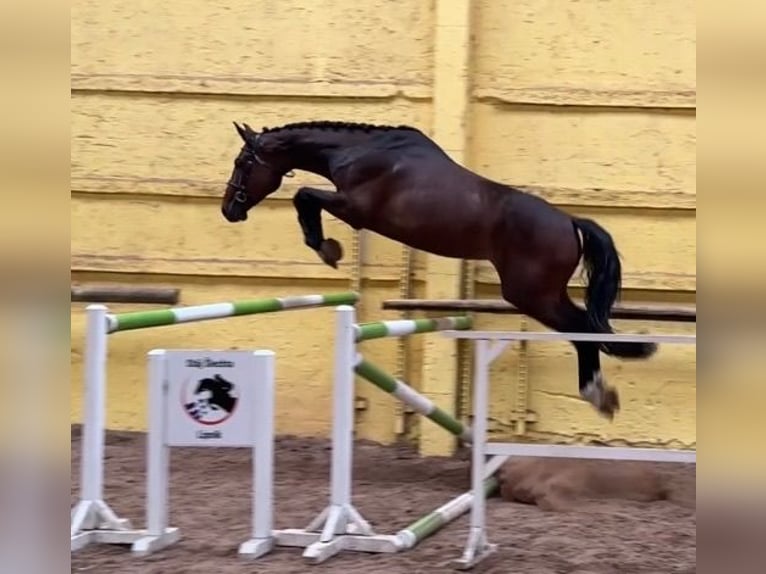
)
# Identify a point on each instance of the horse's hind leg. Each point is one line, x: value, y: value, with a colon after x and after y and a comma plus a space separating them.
x: 561, y: 314
x: 309, y: 203
x: 592, y: 386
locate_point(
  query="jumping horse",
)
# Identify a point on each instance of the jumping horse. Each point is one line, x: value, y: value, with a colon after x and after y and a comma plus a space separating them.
x: 397, y: 182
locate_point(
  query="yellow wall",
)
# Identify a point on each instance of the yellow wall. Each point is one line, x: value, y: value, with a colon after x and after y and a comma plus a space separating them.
x: 592, y: 105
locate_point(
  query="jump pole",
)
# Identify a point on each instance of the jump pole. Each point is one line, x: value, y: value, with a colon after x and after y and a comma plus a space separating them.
x: 411, y: 535
x: 175, y: 315
x: 340, y: 526
x: 91, y: 519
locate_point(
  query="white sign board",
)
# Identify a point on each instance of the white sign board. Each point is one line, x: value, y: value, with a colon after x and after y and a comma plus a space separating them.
x: 210, y: 398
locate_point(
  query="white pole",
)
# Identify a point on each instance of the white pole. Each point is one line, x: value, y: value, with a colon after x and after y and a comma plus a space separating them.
x: 477, y: 546
x: 343, y: 410
x: 263, y: 455
x: 92, y: 461
x: 157, y: 449
x: 479, y: 438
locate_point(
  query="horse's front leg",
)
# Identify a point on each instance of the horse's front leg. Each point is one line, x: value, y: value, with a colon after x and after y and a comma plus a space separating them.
x: 309, y: 202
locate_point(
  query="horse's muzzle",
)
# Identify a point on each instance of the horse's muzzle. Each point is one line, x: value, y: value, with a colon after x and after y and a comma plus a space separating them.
x: 233, y: 213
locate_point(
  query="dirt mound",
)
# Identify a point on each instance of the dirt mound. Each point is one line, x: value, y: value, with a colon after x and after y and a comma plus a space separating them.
x: 558, y: 484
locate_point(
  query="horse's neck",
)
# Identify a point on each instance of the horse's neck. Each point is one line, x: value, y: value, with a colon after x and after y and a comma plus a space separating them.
x: 313, y: 151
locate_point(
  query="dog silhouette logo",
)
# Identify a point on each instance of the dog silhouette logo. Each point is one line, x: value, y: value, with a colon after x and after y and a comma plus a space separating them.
x: 211, y: 401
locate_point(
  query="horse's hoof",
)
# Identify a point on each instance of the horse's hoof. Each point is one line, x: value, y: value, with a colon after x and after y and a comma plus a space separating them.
x: 610, y: 402
x: 331, y: 252
x: 602, y: 396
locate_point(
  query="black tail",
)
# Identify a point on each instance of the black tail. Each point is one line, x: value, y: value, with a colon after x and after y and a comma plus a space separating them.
x: 602, y: 265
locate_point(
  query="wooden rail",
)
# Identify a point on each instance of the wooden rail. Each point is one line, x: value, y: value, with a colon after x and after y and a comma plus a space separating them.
x: 683, y: 314
x: 111, y: 294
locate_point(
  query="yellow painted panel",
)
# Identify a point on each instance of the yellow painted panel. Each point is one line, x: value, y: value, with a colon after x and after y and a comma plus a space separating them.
x: 184, y: 236
x: 657, y: 396
x: 649, y: 159
x: 452, y: 80
x: 267, y: 47
x: 188, y: 145
x: 378, y: 420
x: 624, y: 52
x: 658, y: 249
x: 381, y: 257
x: 302, y: 340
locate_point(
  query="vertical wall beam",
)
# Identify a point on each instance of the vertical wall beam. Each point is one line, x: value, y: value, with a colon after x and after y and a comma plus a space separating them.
x: 402, y: 426
x: 451, y: 101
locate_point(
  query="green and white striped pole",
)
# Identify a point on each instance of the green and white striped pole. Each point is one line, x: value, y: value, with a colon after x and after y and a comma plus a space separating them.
x: 401, y: 328
x: 424, y: 527
x: 160, y: 317
x: 412, y: 398
x: 398, y: 388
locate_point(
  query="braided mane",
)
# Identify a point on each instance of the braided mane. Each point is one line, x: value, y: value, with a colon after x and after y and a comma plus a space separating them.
x: 336, y: 126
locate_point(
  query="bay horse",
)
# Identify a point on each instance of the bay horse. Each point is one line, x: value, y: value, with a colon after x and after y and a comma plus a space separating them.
x: 397, y: 182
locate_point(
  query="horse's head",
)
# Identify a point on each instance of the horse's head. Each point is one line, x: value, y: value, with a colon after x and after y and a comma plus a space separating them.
x: 257, y: 173
x: 217, y: 387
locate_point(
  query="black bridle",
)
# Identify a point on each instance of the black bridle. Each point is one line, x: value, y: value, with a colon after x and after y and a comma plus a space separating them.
x: 240, y: 191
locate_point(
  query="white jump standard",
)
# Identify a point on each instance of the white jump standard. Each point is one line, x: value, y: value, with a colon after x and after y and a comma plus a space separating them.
x: 92, y: 520
x: 340, y: 526
x: 489, y: 345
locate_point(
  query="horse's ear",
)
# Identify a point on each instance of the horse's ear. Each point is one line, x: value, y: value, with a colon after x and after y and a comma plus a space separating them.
x: 248, y: 135
x: 241, y: 131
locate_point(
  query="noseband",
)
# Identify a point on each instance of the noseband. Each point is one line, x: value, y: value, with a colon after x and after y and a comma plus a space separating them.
x: 240, y: 191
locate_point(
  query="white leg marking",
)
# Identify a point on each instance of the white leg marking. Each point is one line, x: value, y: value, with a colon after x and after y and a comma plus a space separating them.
x: 594, y: 390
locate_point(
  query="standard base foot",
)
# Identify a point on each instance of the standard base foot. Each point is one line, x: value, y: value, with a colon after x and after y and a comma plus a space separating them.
x: 124, y: 537
x: 255, y: 548
x: 476, y: 550
x: 318, y: 551
x: 92, y: 521
x: 149, y: 544
x: 338, y: 527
